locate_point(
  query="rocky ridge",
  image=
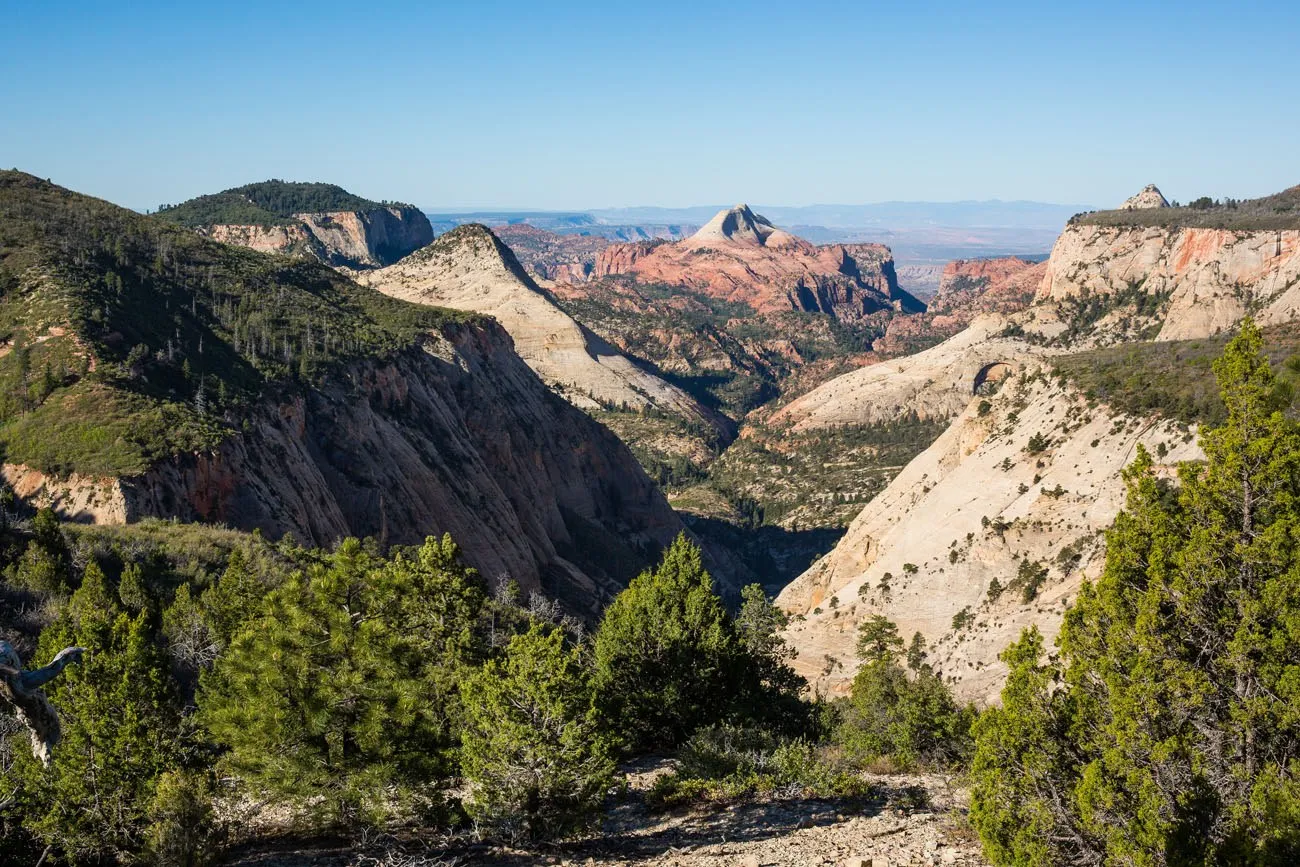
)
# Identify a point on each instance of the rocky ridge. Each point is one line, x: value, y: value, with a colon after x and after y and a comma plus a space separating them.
x: 323, y: 221
x: 1202, y: 280
x: 936, y: 383
x: 457, y: 436
x: 1031, y: 476
x: 355, y: 239
x: 470, y: 269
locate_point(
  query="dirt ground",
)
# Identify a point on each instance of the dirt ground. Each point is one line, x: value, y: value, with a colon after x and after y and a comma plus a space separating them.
x: 917, y: 820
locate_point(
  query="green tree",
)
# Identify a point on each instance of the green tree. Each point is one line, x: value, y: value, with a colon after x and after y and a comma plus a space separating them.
x: 234, y: 599
x: 183, y: 829
x: 774, y: 689
x: 119, y: 727
x: 131, y: 589
x: 1024, y: 767
x: 1175, y: 735
x: 43, y: 567
x: 667, y: 659
x: 535, y: 757
x: 878, y: 639
x: 908, y: 721
x: 342, y: 694
x: 916, y: 653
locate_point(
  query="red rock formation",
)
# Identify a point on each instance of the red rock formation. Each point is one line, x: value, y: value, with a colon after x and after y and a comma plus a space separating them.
x: 740, y: 257
x: 968, y: 288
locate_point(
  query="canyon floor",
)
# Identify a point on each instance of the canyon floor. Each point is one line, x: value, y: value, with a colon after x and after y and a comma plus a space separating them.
x: 913, y: 820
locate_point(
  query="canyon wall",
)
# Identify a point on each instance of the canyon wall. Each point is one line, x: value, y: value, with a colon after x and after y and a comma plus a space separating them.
x: 1211, y: 278
x: 457, y: 436
x: 355, y: 239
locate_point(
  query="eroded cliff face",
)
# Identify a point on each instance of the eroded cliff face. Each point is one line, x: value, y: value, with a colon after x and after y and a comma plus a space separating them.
x: 974, y: 507
x: 457, y: 436
x: 1206, y: 279
x: 354, y: 239
x: 369, y: 238
x: 264, y: 239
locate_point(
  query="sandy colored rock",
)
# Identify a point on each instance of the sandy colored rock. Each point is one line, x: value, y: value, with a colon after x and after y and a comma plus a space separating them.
x: 470, y: 269
x: 1211, y: 277
x: 455, y: 435
x: 936, y: 383
x: 355, y: 239
x: 969, y: 509
x: 1149, y: 197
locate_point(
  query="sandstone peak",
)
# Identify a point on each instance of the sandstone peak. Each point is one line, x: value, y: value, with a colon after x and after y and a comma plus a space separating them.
x: 1150, y: 197
x: 740, y: 225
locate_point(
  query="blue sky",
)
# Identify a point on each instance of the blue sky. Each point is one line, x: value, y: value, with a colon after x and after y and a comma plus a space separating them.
x: 571, y: 105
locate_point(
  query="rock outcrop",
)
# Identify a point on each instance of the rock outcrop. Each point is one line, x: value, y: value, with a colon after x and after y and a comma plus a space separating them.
x: 354, y: 239
x: 740, y: 257
x: 1201, y: 280
x: 984, y: 500
x: 470, y: 269
x: 936, y: 383
x: 1149, y: 197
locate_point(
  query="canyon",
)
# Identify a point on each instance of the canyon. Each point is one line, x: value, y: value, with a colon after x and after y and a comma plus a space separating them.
x: 416, y: 424
x: 994, y: 527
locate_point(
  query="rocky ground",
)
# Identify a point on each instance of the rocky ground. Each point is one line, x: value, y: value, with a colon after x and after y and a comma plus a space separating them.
x: 915, y: 820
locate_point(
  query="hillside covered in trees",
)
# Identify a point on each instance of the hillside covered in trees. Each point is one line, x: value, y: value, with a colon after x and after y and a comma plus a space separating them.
x: 268, y: 203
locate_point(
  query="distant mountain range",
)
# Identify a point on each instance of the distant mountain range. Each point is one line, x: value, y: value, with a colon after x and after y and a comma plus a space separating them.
x: 918, y: 232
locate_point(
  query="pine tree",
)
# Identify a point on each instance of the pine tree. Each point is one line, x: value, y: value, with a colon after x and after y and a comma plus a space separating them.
x: 666, y: 656
x: 342, y: 693
x: 131, y: 590
x: 878, y: 640
x: 1176, y: 737
x: 773, y: 690
x: 536, y: 760
x: 908, y: 720
x: 119, y: 731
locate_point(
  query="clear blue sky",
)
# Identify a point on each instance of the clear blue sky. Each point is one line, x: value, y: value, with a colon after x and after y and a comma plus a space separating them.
x: 570, y: 105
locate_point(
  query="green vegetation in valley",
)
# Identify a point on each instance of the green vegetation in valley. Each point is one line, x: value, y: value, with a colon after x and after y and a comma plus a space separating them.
x: 718, y: 351
x: 1164, y: 731
x: 820, y: 478
x: 125, y: 338
x: 269, y: 203
x: 1276, y: 212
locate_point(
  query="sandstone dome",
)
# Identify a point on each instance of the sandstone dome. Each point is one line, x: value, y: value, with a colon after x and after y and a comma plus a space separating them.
x: 740, y: 225
x: 1150, y: 197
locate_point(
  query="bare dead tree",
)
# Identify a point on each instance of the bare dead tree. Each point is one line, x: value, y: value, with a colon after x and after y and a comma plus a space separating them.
x: 20, y: 691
